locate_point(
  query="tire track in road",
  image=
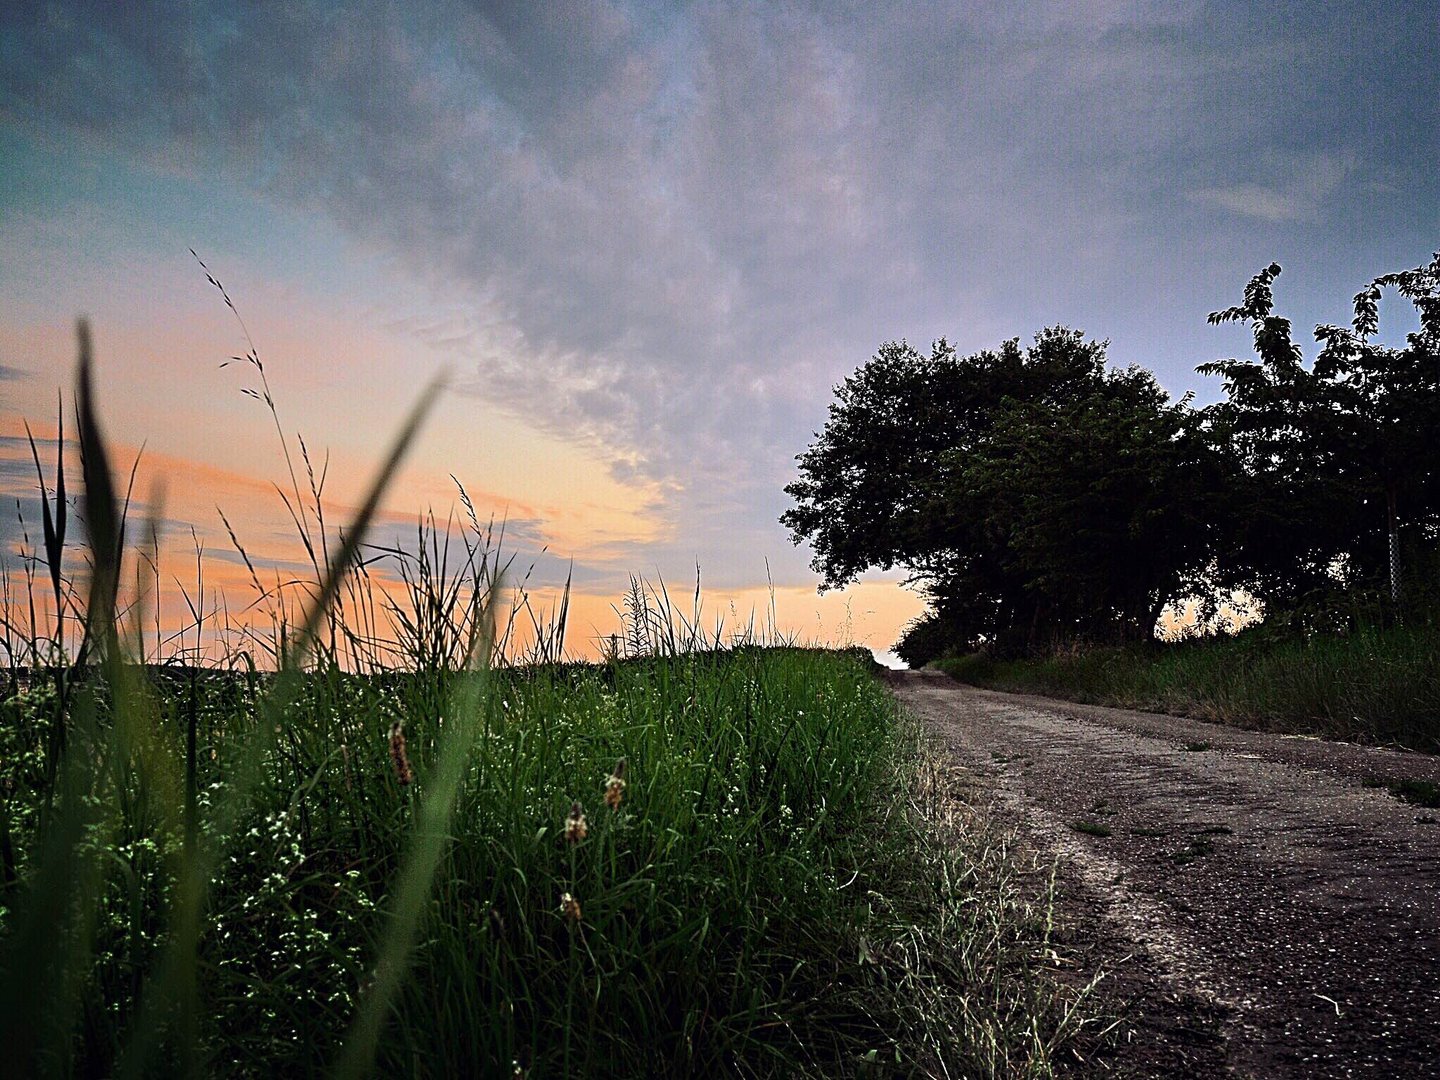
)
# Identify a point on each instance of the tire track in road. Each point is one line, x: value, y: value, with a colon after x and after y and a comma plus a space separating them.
x: 1276, y: 896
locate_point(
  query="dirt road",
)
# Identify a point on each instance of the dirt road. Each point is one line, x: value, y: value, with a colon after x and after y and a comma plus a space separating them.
x: 1268, y: 912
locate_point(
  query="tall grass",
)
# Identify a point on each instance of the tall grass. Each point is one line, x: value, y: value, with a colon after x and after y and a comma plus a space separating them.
x: 371, y: 841
x: 1373, y: 686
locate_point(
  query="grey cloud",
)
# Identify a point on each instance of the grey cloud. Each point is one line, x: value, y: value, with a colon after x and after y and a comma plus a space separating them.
x: 1307, y: 182
x: 669, y: 231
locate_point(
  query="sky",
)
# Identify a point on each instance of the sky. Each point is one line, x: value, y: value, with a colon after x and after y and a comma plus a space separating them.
x: 644, y: 242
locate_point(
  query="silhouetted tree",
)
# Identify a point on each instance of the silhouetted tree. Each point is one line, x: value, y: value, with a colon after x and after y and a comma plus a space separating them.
x: 1106, y: 504
x: 1382, y: 429
x: 1036, y: 495
x: 1336, y: 456
x: 1039, y: 497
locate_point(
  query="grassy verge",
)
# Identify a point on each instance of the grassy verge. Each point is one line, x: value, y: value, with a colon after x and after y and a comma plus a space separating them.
x: 774, y: 889
x: 1372, y: 686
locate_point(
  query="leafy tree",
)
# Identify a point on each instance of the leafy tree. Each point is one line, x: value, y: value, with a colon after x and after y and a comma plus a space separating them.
x: 1381, y: 428
x: 1034, y: 494
x: 1289, y: 517
x: 1336, y: 456
x: 1104, y: 502
x: 1039, y: 497
x: 926, y: 637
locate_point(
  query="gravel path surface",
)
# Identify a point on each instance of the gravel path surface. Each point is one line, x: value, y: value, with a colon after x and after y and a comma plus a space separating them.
x: 1264, y: 909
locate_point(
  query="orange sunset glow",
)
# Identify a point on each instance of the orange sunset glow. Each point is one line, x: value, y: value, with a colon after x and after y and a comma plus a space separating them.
x: 641, y: 246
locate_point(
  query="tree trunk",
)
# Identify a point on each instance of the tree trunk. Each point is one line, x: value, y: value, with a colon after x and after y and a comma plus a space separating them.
x: 1153, y: 617
x: 1390, y: 500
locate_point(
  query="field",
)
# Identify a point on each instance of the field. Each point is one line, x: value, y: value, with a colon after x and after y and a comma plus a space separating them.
x: 428, y: 857
x: 715, y: 862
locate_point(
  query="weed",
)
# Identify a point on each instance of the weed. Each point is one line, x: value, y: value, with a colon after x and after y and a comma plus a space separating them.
x: 1424, y: 793
x: 1412, y: 790
x: 1091, y: 828
x: 1198, y: 847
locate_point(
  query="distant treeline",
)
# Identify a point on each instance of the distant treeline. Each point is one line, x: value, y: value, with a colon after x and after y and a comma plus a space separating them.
x: 1042, y: 499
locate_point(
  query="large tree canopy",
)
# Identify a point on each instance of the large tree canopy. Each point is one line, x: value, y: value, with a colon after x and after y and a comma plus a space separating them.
x: 1340, y: 455
x: 1034, y: 493
x: 1040, y: 497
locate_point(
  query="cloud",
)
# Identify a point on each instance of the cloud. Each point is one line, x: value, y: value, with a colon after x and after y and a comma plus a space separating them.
x: 13, y: 374
x: 669, y: 231
x: 1304, y: 186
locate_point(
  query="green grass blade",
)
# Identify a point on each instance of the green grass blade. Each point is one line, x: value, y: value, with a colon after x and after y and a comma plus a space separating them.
x: 102, y: 513
x: 416, y: 878
x: 51, y: 943
x: 176, y: 970
x: 53, y: 525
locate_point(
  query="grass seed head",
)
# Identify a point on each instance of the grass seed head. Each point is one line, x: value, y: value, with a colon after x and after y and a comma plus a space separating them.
x: 570, y: 907
x: 576, y: 828
x: 398, y: 755
x: 615, y: 786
